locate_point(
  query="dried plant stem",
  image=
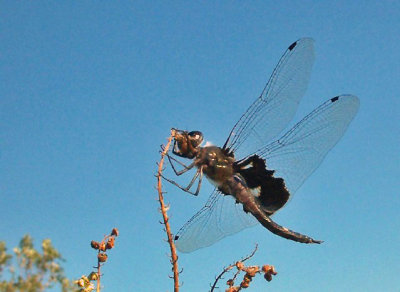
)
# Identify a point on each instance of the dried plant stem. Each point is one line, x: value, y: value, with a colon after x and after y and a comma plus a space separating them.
x: 164, y: 208
x: 99, y: 262
x: 228, y: 268
x: 98, y: 276
x: 250, y: 255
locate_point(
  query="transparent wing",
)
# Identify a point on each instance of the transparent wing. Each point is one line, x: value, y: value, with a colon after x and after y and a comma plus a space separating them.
x: 294, y: 157
x: 221, y: 216
x: 278, y: 102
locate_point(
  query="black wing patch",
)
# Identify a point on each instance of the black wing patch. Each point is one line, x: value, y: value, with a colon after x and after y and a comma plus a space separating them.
x: 271, y: 191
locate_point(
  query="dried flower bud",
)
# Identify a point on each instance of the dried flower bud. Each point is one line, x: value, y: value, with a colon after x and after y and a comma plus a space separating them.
x: 244, y: 284
x: 269, y: 269
x: 93, y: 276
x: 110, y: 243
x: 268, y: 277
x: 114, y: 232
x: 230, y: 282
x: 247, y: 278
x: 252, y: 271
x: 94, y: 244
x: 102, y: 257
x: 239, y: 265
x: 102, y: 247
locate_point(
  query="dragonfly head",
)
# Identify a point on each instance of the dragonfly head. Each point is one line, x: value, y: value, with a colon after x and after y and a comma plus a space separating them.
x: 187, y: 144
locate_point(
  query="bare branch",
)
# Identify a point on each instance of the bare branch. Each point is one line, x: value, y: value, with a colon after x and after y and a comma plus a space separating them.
x: 227, y: 269
x: 164, y: 209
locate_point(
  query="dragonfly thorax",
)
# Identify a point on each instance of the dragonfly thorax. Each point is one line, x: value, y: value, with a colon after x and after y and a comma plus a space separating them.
x: 215, y: 164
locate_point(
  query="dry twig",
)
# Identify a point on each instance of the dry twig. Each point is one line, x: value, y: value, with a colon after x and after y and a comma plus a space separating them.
x: 250, y: 273
x: 164, y: 208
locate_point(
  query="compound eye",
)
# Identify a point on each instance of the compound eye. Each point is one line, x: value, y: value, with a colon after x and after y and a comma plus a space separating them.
x: 196, y: 138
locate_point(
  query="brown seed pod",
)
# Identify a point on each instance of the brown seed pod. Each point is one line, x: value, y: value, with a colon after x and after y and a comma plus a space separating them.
x: 268, y: 277
x: 244, y: 284
x: 95, y: 244
x: 114, y: 232
x: 269, y: 269
x: 247, y: 278
x: 110, y: 243
x: 252, y: 271
x: 93, y: 276
x: 239, y: 265
x: 102, y: 257
x: 265, y: 268
x: 102, y: 247
x: 230, y: 282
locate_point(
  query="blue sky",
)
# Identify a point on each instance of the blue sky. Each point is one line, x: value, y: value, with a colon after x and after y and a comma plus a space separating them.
x: 89, y: 91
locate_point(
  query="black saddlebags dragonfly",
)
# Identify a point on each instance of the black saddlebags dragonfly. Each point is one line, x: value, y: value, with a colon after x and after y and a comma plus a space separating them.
x: 251, y: 189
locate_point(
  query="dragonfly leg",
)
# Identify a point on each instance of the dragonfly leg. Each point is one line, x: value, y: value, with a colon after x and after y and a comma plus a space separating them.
x: 185, y: 167
x: 200, y: 181
x: 199, y: 174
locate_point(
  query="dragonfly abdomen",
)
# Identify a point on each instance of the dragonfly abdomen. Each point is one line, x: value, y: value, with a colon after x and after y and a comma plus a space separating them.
x: 238, y: 188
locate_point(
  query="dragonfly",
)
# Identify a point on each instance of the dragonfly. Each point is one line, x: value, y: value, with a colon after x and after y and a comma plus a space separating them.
x: 249, y: 190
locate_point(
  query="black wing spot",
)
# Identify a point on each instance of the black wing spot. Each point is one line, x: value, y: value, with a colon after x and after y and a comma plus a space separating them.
x: 336, y: 98
x: 291, y: 47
